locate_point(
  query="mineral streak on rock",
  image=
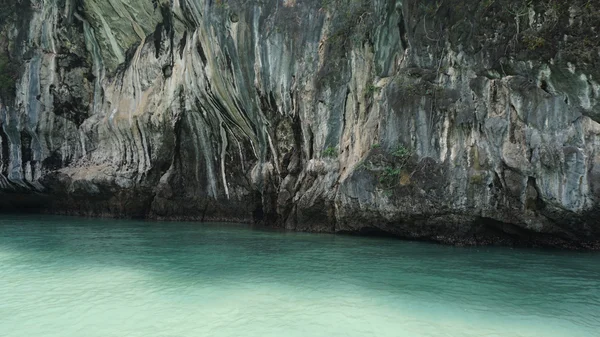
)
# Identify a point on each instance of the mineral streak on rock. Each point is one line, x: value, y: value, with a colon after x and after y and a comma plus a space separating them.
x: 465, y: 122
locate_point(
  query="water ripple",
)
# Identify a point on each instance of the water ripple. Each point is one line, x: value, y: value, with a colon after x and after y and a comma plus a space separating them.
x: 75, y: 277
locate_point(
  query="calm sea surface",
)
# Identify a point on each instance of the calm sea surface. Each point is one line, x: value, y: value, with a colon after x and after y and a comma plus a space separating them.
x: 69, y: 277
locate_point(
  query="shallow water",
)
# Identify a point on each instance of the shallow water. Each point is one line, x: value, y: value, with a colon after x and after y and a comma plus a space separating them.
x: 77, y: 277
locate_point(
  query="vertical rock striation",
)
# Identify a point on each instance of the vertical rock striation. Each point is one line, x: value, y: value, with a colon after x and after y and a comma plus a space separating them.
x: 467, y: 122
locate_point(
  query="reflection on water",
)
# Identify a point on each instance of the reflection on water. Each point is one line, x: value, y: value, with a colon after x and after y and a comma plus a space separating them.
x: 77, y: 277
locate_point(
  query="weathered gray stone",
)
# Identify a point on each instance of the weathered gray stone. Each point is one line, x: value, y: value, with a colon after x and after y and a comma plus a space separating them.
x: 454, y: 121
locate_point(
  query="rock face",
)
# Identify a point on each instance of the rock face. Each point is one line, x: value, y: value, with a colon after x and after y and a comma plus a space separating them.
x: 467, y: 122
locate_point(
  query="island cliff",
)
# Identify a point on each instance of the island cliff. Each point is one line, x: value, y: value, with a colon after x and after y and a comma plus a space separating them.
x: 465, y: 122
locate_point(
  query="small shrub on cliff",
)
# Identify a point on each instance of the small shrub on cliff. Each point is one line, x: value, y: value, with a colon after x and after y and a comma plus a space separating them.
x: 394, y: 175
x: 389, y: 177
x: 330, y: 152
x: 402, y: 153
x: 533, y: 42
x: 372, y: 89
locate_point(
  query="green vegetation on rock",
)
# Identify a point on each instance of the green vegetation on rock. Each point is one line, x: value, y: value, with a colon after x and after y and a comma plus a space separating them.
x: 330, y: 152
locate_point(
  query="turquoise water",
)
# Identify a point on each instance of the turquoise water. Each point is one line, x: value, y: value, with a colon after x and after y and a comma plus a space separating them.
x: 76, y: 277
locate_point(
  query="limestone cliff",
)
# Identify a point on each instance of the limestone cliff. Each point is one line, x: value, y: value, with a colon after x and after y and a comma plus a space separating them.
x: 463, y: 121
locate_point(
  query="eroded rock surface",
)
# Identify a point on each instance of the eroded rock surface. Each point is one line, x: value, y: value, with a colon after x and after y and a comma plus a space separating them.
x: 466, y: 122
